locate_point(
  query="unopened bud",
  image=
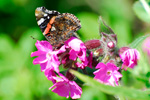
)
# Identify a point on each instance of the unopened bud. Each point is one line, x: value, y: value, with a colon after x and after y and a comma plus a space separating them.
x: 98, y: 52
x: 111, y: 44
x: 122, y: 49
x: 91, y: 44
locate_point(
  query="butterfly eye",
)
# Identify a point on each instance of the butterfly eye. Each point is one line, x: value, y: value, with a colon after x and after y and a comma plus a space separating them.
x: 43, y: 8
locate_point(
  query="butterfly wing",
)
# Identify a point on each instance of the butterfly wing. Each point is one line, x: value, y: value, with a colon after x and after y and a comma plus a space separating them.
x: 57, y: 27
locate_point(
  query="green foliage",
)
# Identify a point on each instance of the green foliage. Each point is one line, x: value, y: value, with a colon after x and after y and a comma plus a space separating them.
x: 90, y: 27
x: 119, y: 90
x: 104, y: 28
x: 21, y: 80
x: 136, y: 42
x: 142, y: 10
x: 91, y: 93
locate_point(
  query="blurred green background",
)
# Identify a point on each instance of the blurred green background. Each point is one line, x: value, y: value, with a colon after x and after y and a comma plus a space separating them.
x: 21, y: 80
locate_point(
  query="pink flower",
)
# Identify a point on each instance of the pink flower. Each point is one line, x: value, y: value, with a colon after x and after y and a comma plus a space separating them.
x: 81, y: 65
x: 64, y: 87
x: 129, y: 58
x: 146, y: 45
x: 107, y: 74
x: 47, y: 58
x: 49, y: 73
x: 77, y: 49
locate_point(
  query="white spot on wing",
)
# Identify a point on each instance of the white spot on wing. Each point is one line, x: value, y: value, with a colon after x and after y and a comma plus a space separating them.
x: 53, y: 28
x: 40, y: 21
x: 50, y: 12
x: 36, y: 14
x: 45, y: 15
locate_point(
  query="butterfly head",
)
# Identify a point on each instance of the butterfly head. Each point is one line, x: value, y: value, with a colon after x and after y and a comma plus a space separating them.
x: 43, y: 16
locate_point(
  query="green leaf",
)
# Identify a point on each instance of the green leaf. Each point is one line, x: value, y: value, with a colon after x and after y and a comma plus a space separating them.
x: 118, y: 90
x: 90, y: 93
x: 142, y: 10
x: 103, y: 27
x: 136, y: 42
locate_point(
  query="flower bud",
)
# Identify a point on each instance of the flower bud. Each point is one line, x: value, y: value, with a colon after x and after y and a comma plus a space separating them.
x: 122, y: 49
x: 91, y: 44
x: 110, y: 45
x: 98, y: 52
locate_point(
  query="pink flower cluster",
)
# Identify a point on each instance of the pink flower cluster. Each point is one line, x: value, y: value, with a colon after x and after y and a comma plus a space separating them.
x: 73, y: 55
x: 109, y: 74
x: 50, y: 60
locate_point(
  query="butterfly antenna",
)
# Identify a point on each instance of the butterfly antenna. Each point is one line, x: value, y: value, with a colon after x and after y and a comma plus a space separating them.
x: 33, y: 38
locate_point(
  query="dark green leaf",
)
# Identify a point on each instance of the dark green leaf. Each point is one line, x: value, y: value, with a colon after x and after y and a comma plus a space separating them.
x: 103, y: 27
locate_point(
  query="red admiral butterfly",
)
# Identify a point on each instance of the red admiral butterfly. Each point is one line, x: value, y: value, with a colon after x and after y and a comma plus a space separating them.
x: 56, y: 27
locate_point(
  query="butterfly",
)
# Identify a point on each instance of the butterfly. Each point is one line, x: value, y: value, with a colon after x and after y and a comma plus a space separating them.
x: 57, y: 27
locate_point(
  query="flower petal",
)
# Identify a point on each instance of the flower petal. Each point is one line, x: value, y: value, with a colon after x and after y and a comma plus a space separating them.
x: 37, y: 53
x: 40, y: 59
x: 129, y: 58
x: 75, y: 90
x: 74, y: 43
x: 61, y: 88
x: 64, y: 87
x: 100, y: 65
x: 107, y: 74
x: 43, y: 46
x: 72, y: 55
